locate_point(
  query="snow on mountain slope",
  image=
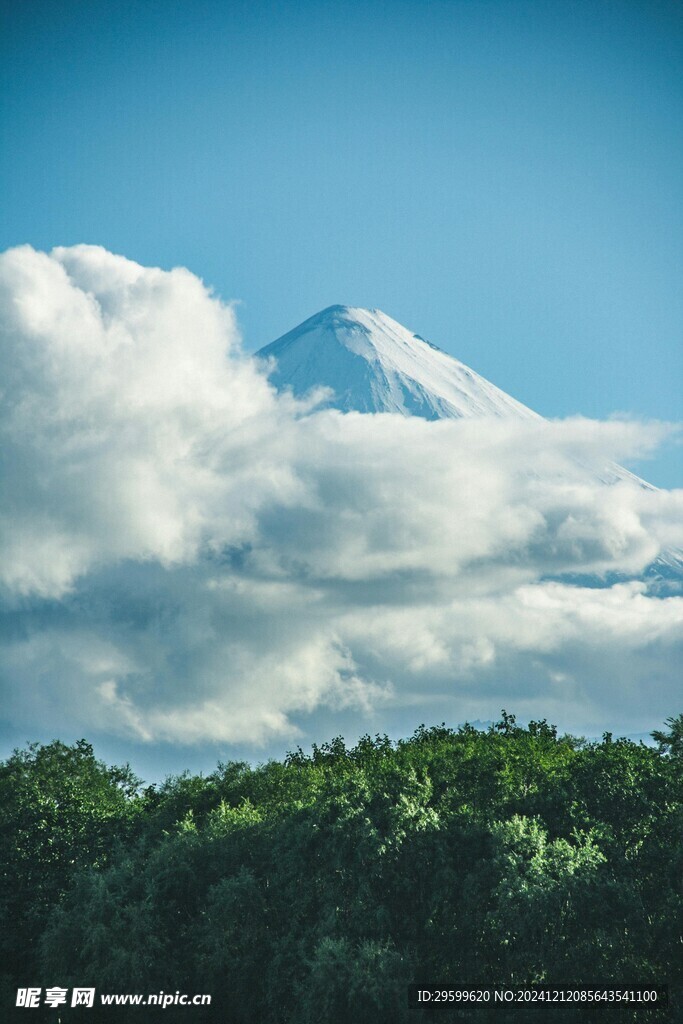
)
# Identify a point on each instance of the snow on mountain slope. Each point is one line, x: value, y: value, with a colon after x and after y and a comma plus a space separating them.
x: 373, y: 364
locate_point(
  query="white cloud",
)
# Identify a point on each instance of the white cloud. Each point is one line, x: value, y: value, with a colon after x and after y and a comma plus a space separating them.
x: 131, y: 426
x: 187, y: 557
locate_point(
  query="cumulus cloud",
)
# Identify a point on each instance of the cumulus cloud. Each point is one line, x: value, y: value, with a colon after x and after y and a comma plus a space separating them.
x: 186, y: 556
x: 131, y: 426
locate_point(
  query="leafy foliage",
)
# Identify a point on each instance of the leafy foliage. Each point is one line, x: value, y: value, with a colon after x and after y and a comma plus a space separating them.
x: 317, y: 888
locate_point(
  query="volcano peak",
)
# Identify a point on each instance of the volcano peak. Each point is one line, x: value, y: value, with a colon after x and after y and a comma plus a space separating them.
x: 371, y: 363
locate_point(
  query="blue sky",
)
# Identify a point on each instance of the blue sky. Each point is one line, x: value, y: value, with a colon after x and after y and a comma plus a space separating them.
x: 504, y: 178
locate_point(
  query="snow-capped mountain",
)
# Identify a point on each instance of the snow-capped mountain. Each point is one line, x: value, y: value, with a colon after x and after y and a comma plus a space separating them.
x: 370, y: 363
x: 373, y: 364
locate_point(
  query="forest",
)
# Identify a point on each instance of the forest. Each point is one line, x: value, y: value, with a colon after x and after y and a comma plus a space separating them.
x: 318, y: 888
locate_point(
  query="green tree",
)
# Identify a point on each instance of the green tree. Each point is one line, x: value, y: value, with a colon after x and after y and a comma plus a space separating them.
x: 60, y: 810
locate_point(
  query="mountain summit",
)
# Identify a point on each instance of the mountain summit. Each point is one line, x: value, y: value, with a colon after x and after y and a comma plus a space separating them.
x: 373, y: 364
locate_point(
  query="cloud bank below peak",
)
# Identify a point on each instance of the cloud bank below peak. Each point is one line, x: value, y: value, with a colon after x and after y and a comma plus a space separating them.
x: 188, y: 557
